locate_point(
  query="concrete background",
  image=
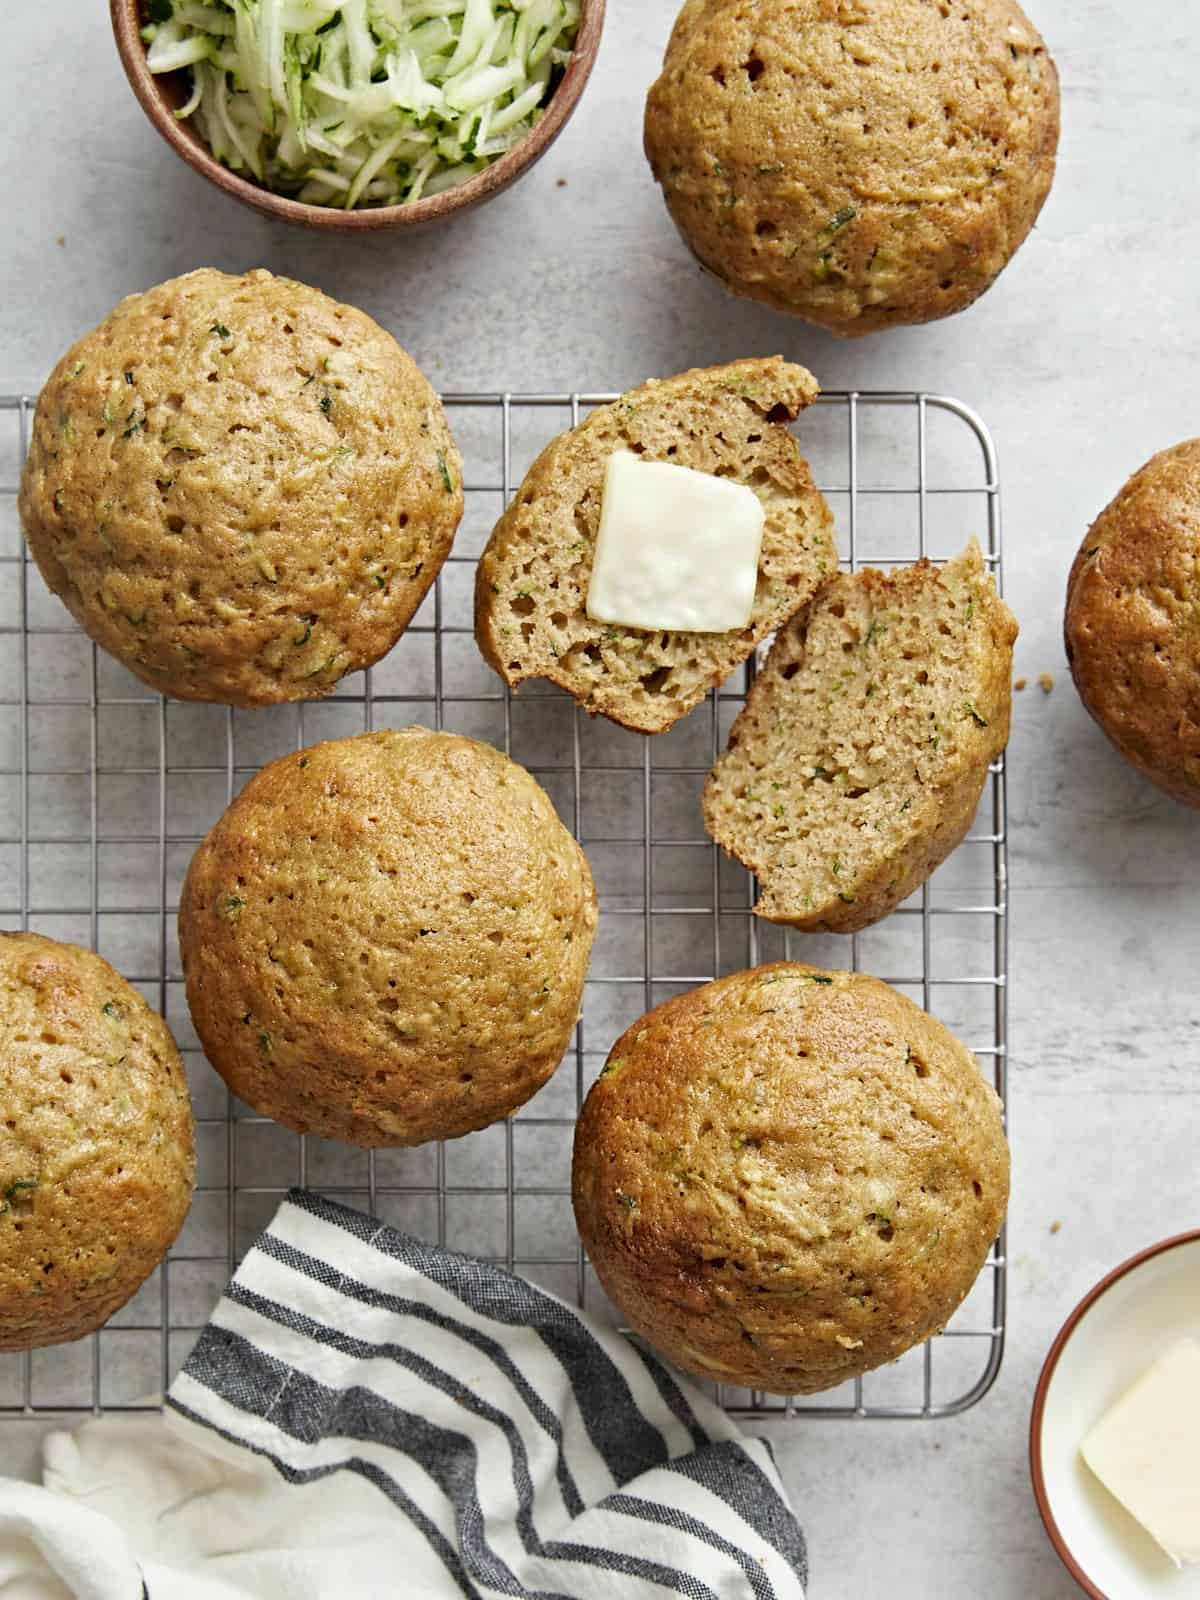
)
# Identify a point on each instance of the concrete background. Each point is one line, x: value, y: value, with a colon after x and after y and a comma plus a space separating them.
x: 1082, y: 359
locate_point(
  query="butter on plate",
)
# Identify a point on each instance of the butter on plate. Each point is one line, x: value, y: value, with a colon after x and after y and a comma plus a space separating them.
x: 676, y: 548
x: 1145, y: 1450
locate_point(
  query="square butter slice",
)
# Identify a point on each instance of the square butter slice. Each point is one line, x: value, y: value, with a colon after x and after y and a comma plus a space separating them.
x: 676, y: 548
x: 1146, y: 1451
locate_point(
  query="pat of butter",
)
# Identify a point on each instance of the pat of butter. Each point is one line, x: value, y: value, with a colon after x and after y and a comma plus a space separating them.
x: 676, y: 549
x: 1146, y: 1451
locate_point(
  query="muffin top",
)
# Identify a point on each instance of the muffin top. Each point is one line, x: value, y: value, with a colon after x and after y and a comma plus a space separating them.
x: 96, y: 1147
x: 240, y: 488
x: 385, y: 938
x: 1131, y: 633
x: 861, y: 163
x: 789, y: 1176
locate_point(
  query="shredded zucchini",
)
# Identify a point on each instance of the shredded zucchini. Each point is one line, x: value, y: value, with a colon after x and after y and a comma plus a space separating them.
x: 363, y: 102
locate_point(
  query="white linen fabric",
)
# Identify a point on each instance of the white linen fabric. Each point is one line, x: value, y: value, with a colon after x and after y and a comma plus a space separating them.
x: 370, y: 1416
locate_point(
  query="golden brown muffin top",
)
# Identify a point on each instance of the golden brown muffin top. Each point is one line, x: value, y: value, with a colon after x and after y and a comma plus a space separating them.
x: 789, y: 1176
x: 96, y: 1150
x: 385, y: 937
x: 240, y: 488
x: 1133, y: 621
x: 859, y: 162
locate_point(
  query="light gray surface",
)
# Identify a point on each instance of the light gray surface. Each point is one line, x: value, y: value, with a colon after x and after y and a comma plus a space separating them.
x: 1083, y: 360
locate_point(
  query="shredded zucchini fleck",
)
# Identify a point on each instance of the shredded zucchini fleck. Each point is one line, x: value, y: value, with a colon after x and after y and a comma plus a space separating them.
x: 362, y: 102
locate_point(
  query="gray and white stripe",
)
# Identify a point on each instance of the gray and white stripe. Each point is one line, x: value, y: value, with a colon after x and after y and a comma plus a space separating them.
x: 531, y: 1452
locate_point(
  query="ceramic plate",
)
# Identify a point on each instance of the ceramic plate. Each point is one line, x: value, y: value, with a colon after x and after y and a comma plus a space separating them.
x: 1119, y: 1330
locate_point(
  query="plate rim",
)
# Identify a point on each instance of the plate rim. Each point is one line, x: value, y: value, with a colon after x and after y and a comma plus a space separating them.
x: 1046, y: 1376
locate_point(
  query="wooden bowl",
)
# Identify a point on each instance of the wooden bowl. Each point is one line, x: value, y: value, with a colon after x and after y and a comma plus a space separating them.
x: 161, y: 96
x: 1117, y: 1331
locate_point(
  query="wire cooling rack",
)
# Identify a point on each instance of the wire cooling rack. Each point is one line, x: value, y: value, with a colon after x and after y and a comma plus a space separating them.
x: 106, y: 789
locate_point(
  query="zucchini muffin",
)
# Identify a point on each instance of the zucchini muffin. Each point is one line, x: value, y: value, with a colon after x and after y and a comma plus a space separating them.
x: 240, y: 488
x: 788, y: 1177
x: 385, y: 938
x: 860, y: 163
x: 856, y: 765
x: 1131, y: 635
x: 532, y: 582
x: 97, y: 1160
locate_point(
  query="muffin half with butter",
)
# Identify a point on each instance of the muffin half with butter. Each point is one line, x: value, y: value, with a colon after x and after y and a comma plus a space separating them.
x: 240, y: 488
x: 385, y: 938
x: 651, y: 548
x: 789, y: 1176
x: 97, y: 1158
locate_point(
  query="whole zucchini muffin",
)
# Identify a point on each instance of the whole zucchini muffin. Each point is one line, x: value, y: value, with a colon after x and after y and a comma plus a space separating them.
x: 1131, y: 633
x: 385, y: 938
x: 788, y: 1177
x: 240, y: 488
x: 97, y: 1159
x: 860, y: 163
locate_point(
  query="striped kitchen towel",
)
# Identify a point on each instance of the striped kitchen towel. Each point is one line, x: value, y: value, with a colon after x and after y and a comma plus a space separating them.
x: 367, y: 1415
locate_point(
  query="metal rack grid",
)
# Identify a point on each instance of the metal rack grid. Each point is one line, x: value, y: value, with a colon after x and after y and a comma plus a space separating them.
x: 105, y: 789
